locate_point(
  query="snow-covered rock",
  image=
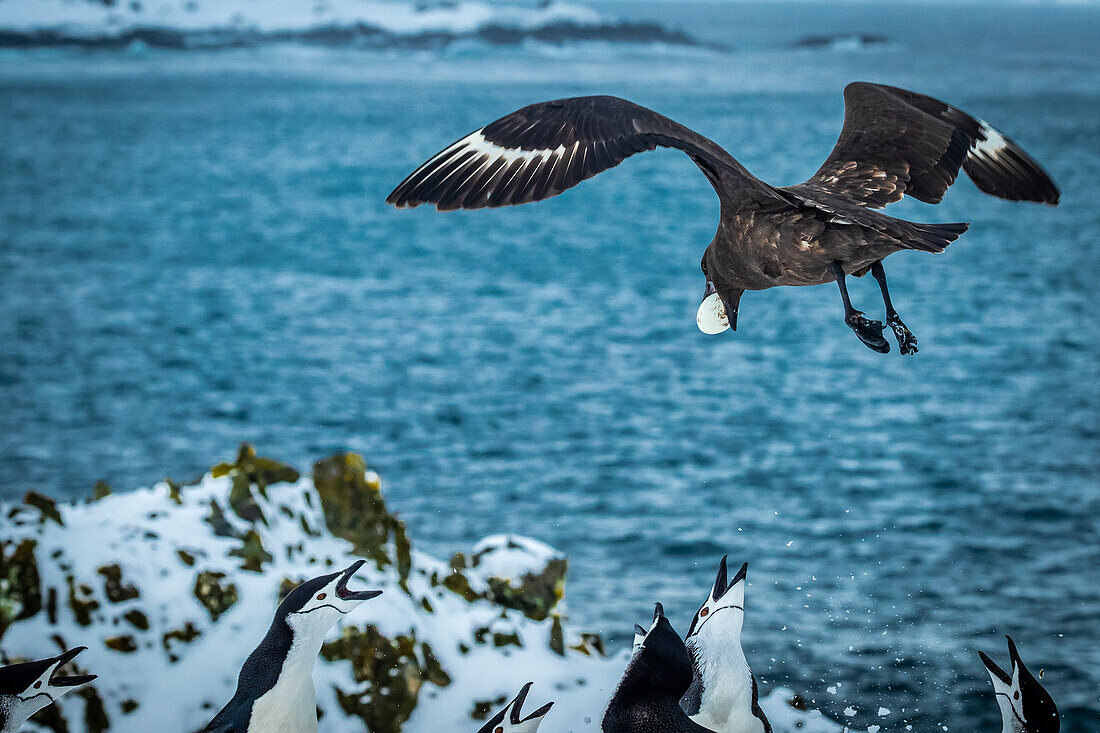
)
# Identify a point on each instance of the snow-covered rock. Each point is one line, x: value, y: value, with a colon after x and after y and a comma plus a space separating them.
x: 171, y: 587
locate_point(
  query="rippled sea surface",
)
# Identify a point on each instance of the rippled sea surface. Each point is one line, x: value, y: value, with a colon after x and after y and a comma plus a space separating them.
x: 194, y: 251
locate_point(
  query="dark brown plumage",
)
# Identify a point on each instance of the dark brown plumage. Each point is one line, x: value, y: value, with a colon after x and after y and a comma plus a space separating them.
x: 893, y: 143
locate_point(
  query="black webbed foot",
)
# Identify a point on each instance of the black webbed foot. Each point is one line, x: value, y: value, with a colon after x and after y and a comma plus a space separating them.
x: 869, y: 332
x: 907, y: 342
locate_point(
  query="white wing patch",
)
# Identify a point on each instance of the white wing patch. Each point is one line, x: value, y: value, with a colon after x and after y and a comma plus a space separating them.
x: 533, y: 162
x: 992, y: 146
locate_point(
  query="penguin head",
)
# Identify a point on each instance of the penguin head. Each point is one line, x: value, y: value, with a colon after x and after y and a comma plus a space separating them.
x: 509, y: 719
x: 662, y: 664
x: 28, y: 687
x: 723, y: 612
x: 1025, y: 706
x: 319, y: 603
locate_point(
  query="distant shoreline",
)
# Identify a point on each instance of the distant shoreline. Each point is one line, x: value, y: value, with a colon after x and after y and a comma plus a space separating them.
x: 356, y: 36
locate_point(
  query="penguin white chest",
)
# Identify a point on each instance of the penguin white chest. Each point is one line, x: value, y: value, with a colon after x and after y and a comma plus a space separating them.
x: 727, y: 689
x: 291, y: 705
x: 288, y: 707
x: 729, y: 709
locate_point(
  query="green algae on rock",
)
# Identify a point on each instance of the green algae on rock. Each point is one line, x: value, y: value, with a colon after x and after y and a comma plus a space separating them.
x: 95, y: 712
x: 101, y: 490
x: 184, y: 635
x: 215, y: 597
x: 20, y: 585
x: 251, y: 471
x: 394, y: 671
x: 137, y: 619
x: 113, y: 587
x: 252, y: 552
x: 123, y: 643
x: 534, y: 591
x: 46, y: 506
x: 82, y: 601
x: 355, y: 510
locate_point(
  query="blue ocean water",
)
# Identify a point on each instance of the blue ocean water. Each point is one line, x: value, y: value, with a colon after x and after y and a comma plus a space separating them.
x: 194, y: 251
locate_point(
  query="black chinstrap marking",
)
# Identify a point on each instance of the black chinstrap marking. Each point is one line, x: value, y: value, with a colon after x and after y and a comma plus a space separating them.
x: 1011, y: 707
x: 318, y: 608
x: 694, y: 630
x: 46, y: 695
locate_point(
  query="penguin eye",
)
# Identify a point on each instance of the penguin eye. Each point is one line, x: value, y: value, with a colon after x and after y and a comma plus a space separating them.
x: 320, y: 596
x: 37, y: 684
x: 1016, y: 694
x: 499, y: 729
x: 704, y: 612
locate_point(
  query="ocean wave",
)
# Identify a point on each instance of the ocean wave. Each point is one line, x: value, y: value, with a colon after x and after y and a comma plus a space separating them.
x: 205, y: 24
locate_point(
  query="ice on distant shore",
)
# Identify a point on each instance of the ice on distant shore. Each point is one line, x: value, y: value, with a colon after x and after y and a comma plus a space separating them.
x: 374, y: 23
x: 842, y: 41
x: 171, y: 587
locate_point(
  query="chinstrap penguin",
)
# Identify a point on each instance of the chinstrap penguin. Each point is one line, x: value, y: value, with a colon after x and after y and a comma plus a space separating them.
x: 509, y: 719
x: 28, y: 687
x: 723, y: 695
x: 275, y: 691
x: 1025, y: 706
x: 647, y: 699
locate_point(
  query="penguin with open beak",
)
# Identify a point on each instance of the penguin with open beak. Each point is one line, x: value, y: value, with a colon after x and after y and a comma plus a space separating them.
x: 723, y: 695
x: 1026, y: 707
x: 275, y: 688
x: 28, y: 687
x: 510, y: 719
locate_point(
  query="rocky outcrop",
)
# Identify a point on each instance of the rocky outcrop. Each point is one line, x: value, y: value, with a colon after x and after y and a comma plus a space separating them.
x: 178, y: 582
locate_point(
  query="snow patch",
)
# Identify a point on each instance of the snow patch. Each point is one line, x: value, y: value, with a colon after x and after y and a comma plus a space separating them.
x: 163, y: 538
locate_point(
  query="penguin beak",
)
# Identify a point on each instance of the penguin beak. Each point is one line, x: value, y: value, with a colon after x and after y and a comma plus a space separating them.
x: 517, y: 706
x: 994, y: 669
x: 1013, y: 655
x: 713, y: 314
x: 73, y: 680
x: 720, y: 582
x: 342, y: 591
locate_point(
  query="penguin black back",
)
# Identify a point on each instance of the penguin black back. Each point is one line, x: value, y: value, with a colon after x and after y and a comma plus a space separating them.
x: 647, y: 699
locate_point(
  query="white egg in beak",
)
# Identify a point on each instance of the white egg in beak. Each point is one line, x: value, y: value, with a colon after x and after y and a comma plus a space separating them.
x: 711, y: 316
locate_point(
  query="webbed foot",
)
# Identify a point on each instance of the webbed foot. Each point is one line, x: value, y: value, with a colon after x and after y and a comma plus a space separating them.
x: 907, y: 342
x: 869, y: 332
